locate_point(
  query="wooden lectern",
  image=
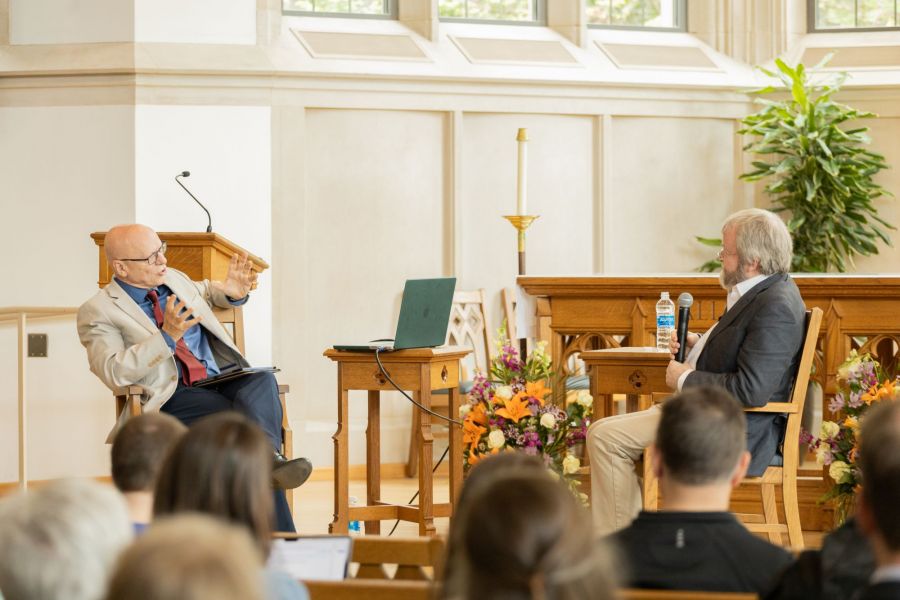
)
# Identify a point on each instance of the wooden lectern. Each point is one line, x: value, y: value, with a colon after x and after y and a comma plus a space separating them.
x: 197, y: 255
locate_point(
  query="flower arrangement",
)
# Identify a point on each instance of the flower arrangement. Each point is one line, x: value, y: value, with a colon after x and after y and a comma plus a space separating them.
x: 861, y: 382
x: 511, y: 411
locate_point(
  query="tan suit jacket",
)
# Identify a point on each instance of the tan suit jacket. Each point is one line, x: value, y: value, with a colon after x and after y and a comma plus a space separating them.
x: 125, y: 347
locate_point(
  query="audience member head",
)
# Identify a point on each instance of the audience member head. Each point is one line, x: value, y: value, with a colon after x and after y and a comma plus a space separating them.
x: 754, y: 242
x: 701, y: 440
x: 223, y: 467
x: 135, y: 255
x: 879, y: 460
x: 189, y: 557
x: 139, y: 449
x: 520, y: 533
x: 60, y: 541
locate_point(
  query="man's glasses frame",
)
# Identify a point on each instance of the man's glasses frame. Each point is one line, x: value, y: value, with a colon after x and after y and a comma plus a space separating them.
x: 153, y: 259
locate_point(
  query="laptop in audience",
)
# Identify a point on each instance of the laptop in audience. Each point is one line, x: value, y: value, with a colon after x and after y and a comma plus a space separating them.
x: 424, y: 316
x: 312, y: 557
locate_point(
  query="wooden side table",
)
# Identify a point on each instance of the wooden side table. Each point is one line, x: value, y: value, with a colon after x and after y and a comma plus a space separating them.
x: 420, y: 371
x: 637, y: 372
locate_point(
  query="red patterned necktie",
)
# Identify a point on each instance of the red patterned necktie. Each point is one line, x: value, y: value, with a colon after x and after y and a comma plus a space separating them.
x: 191, y: 369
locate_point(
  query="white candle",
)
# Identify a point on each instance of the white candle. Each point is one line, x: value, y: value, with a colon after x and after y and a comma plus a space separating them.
x: 521, y: 190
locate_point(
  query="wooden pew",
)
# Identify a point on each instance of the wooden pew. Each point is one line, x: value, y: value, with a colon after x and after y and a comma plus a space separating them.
x: 369, y: 589
x: 636, y: 594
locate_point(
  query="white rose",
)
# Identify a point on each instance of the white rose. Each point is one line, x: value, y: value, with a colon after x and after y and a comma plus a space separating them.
x: 829, y: 430
x: 464, y: 410
x: 585, y: 399
x: 548, y: 420
x: 570, y: 465
x: 840, y: 472
x: 823, y: 453
x: 496, y: 439
x: 504, y: 391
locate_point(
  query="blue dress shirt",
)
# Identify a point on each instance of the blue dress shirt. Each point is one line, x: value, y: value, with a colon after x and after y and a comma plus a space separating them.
x: 194, y: 338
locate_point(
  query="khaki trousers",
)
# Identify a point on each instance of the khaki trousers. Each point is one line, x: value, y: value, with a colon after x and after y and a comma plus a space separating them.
x: 614, y: 444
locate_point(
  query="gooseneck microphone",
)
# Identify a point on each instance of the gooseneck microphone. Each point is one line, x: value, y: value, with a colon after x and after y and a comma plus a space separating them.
x: 208, y: 217
x: 685, y: 300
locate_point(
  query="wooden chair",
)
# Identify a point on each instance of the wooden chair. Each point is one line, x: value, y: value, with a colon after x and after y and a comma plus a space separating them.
x: 233, y: 321
x: 637, y: 594
x: 468, y: 327
x: 785, y: 475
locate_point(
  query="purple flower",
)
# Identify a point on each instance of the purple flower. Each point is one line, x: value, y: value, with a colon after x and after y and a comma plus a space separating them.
x: 855, y: 399
x: 836, y: 403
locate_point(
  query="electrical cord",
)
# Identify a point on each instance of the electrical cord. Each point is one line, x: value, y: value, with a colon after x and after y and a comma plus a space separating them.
x: 408, y: 397
x: 416, y: 495
x: 427, y: 410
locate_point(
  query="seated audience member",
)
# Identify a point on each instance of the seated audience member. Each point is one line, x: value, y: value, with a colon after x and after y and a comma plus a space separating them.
x: 879, y: 518
x: 223, y: 467
x: 520, y: 533
x: 61, y: 541
x: 838, y: 571
x: 137, y: 454
x: 189, y: 557
x: 694, y: 543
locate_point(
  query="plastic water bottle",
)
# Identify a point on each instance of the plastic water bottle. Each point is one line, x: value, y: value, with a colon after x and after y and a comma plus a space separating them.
x: 353, y: 527
x: 665, y: 321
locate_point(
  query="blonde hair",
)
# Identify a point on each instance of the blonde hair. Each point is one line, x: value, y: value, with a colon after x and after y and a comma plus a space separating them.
x: 761, y: 236
x: 189, y: 557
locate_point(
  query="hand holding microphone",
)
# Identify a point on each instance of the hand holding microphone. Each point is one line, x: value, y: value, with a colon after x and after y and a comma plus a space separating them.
x: 681, y: 345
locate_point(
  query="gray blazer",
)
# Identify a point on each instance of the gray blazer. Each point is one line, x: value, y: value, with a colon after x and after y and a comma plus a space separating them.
x: 124, y: 347
x: 754, y: 353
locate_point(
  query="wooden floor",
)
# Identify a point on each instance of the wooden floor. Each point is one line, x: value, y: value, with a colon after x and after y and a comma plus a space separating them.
x: 314, y: 509
x: 314, y: 503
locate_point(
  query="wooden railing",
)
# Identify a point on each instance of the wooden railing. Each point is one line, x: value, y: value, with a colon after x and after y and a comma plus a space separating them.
x: 21, y: 315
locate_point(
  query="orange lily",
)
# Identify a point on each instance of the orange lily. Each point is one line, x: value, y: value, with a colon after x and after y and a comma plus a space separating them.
x: 537, y: 390
x: 472, y: 433
x: 877, y: 393
x: 478, y: 415
x: 514, y: 409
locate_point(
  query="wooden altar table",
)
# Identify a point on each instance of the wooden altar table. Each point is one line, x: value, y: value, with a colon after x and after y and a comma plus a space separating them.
x: 861, y: 312
x: 420, y: 371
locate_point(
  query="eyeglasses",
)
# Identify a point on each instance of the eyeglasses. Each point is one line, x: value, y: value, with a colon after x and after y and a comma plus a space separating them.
x: 153, y: 259
x: 723, y: 253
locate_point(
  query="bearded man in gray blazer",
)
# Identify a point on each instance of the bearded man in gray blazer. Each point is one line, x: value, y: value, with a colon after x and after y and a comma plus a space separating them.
x: 154, y: 327
x: 752, y: 352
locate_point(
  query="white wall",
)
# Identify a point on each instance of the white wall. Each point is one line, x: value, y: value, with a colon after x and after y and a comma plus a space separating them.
x: 227, y: 149
x: 373, y: 216
x: 671, y: 179
x: 70, y: 21
x: 195, y: 22
x: 64, y: 173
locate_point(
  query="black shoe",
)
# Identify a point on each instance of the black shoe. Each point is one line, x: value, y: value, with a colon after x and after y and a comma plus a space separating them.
x: 289, y: 474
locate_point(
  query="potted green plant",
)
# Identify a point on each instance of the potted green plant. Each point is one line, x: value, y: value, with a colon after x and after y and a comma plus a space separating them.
x: 819, y: 170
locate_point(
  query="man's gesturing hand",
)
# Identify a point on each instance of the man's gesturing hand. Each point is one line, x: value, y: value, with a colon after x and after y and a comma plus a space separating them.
x: 177, y: 318
x: 240, y: 277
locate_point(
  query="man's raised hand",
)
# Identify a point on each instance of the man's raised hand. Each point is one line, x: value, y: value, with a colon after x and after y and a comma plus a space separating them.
x: 178, y: 318
x: 240, y: 277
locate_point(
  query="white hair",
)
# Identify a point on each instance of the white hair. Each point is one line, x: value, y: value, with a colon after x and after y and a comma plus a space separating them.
x: 761, y: 235
x: 60, y: 541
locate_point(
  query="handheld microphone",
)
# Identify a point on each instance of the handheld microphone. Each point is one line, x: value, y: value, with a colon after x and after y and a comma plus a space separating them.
x: 208, y: 217
x: 685, y: 300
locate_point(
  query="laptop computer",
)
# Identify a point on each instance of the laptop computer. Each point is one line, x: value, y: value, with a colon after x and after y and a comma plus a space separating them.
x: 312, y: 557
x: 424, y: 317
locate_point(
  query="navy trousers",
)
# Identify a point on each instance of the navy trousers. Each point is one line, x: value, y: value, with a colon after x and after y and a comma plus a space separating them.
x: 256, y: 397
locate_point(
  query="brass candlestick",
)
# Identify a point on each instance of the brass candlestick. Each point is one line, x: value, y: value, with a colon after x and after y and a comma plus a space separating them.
x: 521, y: 223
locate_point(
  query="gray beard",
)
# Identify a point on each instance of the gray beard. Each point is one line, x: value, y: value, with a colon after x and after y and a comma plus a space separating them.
x: 729, y: 280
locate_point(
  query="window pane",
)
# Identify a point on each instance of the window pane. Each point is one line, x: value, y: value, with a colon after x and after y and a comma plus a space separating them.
x: 832, y: 14
x: 633, y: 13
x: 494, y: 10
x: 875, y: 13
x: 355, y: 7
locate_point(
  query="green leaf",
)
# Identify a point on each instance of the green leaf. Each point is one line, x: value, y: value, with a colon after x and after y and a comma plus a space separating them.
x: 714, y: 242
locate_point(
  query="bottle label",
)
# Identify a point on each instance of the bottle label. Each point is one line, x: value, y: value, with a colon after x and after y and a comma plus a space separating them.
x: 665, y: 321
